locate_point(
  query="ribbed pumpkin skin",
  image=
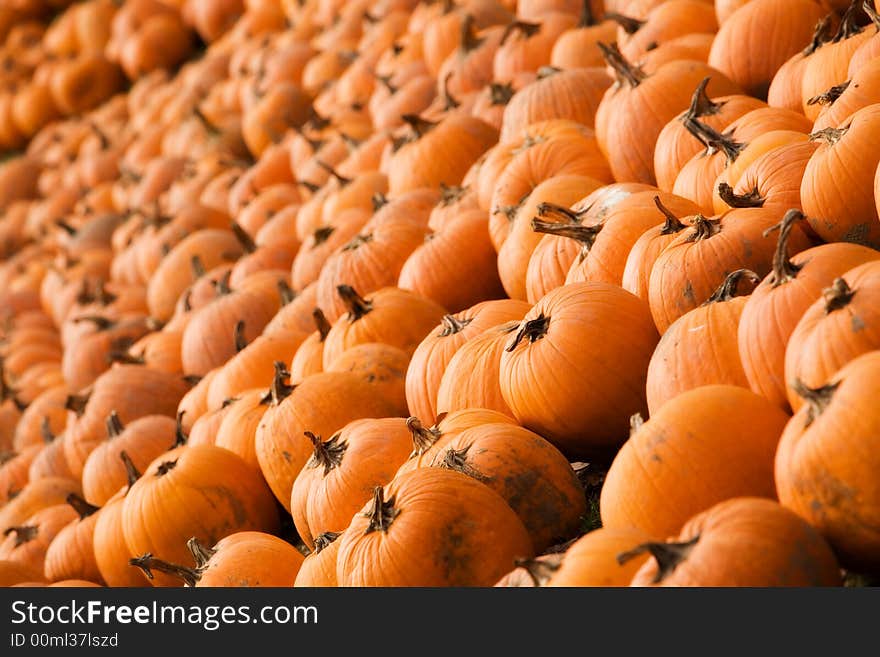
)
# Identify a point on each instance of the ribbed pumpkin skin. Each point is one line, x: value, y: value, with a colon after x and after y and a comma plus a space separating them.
x: 247, y: 559
x: 827, y: 461
x: 747, y: 542
x: 575, y: 335
x: 451, y: 530
x: 705, y: 445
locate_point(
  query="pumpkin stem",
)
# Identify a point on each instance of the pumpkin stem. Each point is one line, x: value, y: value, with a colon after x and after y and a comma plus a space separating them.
x: 817, y: 399
x: 201, y: 553
x: 450, y: 194
x: 469, y: 39
x: 280, y: 388
x: 114, y: 425
x: 837, y: 296
x: 180, y: 437
x: 192, y: 379
x: 728, y: 288
x: 423, y: 438
x: 629, y: 25
x: 165, y: 467
x: 784, y: 270
x: 533, y: 329
x: 849, y: 24
x: 635, y: 422
x: 667, y: 555
x: 285, y: 292
x: 547, y: 71
x: 358, y: 241
x: 828, y: 97
x: 322, y: 234
x: 246, y: 241
x: 221, y: 285
x: 382, y: 514
x: 418, y: 125
x: 6, y: 390
x: 77, y: 403
x: 751, y: 200
x: 713, y: 140
x: 66, y: 227
x: 238, y: 336
x: 701, y: 104
x: 450, y: 102
x: 46, y: 431
x: 673, y: 224
x: 585, y: 235
x: 450, y: 325
x: 703, y: 228
x: 456, y: 459
x: 322, y: 325
x: 528, y: 30
x: 868, y: 8
x: 821, y: 36
x: 342, y: 180
x: 587, y: 18
x: 829, y: 135
x: 386, y: 82
x: 101, y: 323
x: 500, y: 94
x: 327, y: 455
x: 357, y: 305
x: 131, y: 471
x: 23, y: 533
x: 101, y: 296
x: 538, y: 571
x: 122, y: 356
x: 148, y: 563
x: 626, y: 72
x: 321, y: 541
x: 310, y: 186
x: 83, y: 508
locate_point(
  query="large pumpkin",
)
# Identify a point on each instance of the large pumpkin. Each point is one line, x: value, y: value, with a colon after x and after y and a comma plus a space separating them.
x: 576, y: 336
x: 705, y: 445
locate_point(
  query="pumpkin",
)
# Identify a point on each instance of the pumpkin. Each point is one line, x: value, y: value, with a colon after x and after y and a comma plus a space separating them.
x: 309, y: 356
x: 834, y: 421
x: 528, y: 472
x: 662, y: 23
x: 786, y: 85
x: 527, y: 46
x: 462, y: 515
x: 392, y: 316
x: 246, y: 558
x: 34, y: 497
x: 700, y: 347
x: 47, y: 409
x: 842, y: 100
x: 28, y: 543
x: 574, y: 332
x: 774, y: 308
x: 432, y: 356
x: 238, y: 425
x: 14, y: 472
x: 836, y: 212
x: 222, y: 495
x: 13, y: 572
x: 754, y: 43
x: 456, y: 266
x: 71, y: 553
x: 577, y: 47
x: 323, y: 241
x: 667, y: 91
x: 132, y: 391
x: 438, y: 153
x: 592, y: 559
x: 743, y: 541
x: 833, y: 330
x: 682, y: 278
x: 295, y: 313
x: 323, y: 403
x: 701, y: 447
x: 319, y: 567
x: 340, y: 476
x: 143, y: 440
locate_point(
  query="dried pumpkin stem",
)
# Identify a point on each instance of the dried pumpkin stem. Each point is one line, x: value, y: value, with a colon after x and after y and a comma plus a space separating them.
x: 246, y: 241
x: 114, y: 425
x: 221, y: 285
x: 672, y: 224
x: 531, y: 330
x: 357, y: 306
x: 469, y: 39
x: 527, y: 30
x: 635, y: 422
x: 667, y: 555
x: 821, y: 36
x: 201, y: 553
x: 728, y: 288
x: 148, y: 563
x: 285, y: 292
x: 838, y: 296
x: 326, y: 454
x: 77, y: 403
x: 817, y: 399
x: 46, y: 431
x: 382, y: 513
x: 828, y: 97
x: 321, y: 541
x: 829, y: 135
x: 630, y: 25
x: 701, y: 105
x: 342, y: 180
x: 751, y: 200
x: 703, y: 228
x: 450, y: 325
x: 500, y: 94
x: 180, y: 437
x: 280, y: 388
x: 714, y: 140
x: 626, y: 72
x: 321, y: 324
x: 423, y: 438
x: 83, y: 508
x: 784, y: 270
x: 23, y: 533
x: 131, y: 471
x: 101, y: 323
x: 585, y: 235
x: 587, y: 18
x: 418, y: 125
x: 197, y: 266
x: 538, y: 571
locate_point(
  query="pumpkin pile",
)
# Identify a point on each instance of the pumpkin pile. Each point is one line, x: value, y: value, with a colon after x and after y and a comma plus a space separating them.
x: 439, y: 293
